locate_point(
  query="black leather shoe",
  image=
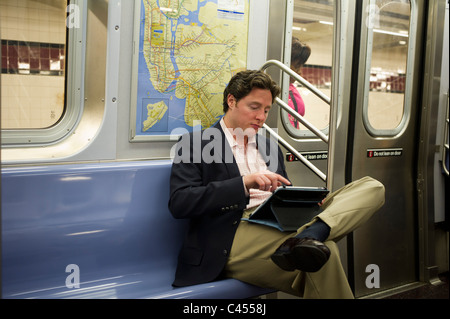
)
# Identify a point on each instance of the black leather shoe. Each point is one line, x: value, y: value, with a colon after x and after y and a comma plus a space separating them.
x: 305, y: 254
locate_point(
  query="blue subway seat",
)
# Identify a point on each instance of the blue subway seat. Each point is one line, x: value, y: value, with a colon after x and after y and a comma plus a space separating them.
x: 106, y: 224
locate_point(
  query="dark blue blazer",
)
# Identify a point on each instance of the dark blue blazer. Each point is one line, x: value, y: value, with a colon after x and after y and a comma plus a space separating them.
x: 207, y: 188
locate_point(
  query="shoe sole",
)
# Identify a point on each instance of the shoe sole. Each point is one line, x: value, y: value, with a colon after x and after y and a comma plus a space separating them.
x: 303, y: 257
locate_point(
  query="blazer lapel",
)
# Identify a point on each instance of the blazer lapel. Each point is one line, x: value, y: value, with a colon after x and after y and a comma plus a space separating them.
x: 227, y: 154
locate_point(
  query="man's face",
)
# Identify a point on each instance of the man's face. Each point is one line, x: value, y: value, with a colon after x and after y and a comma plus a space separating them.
x: 250, y: 112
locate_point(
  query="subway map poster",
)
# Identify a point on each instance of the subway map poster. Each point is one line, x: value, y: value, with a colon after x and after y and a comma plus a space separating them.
x: 185, y: 52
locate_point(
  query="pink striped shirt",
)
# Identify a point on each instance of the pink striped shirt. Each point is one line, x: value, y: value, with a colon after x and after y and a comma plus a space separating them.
x: 249, y: 161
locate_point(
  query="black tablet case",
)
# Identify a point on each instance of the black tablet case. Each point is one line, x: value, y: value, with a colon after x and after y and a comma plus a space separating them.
x: 288, y: 208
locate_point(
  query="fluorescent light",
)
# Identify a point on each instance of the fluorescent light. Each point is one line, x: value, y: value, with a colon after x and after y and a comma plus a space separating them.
x: 326, y: 22
x: 399, y: 34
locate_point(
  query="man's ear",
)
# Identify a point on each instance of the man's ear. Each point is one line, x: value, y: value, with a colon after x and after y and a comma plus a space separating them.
x: 231, y: 100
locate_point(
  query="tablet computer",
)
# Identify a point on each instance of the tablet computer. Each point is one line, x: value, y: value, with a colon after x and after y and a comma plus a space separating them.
x: 290, y: 207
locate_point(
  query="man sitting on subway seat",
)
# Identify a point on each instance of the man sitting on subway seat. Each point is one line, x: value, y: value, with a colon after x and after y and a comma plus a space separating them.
x: 220, y: 175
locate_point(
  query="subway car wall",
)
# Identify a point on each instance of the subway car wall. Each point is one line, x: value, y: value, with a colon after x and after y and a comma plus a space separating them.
x: 97, y: 101
x: 105, y: 85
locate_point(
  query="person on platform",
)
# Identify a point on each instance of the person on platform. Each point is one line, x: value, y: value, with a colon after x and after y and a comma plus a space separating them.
x: 300, y: 53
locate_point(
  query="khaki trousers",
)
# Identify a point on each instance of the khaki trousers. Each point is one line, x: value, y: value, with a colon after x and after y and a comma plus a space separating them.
x: 343, y: 210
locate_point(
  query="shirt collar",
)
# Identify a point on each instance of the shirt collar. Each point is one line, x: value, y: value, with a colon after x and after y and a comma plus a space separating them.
x: 230, y: 138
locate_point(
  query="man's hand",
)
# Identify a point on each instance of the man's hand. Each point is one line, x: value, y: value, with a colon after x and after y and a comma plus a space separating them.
x: 265, y: 181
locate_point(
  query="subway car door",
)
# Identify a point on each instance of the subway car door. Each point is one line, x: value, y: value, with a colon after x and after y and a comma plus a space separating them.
x: 312, y: 24
x: 382, y: 132
x: 367, y: 56
x: 328, y: 29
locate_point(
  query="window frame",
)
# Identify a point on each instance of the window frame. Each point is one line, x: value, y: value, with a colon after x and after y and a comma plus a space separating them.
x: 74, y: 92
x: 407, y: 103
x: 303, y: 134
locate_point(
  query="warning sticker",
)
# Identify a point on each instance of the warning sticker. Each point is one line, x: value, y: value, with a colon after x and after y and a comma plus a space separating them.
x: 388, y: 152
x: 311, y: 156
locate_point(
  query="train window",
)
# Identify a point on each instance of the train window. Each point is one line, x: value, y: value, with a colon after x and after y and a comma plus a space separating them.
x: 313, y: 27
x: 388, y: 23
x: 34, y: 46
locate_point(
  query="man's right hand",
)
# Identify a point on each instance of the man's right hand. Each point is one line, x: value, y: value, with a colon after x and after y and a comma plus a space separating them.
x: 265, y: 181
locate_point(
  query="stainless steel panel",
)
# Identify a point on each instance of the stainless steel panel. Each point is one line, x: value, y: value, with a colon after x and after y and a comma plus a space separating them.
x: 389, y: 239
x: 427, y: 151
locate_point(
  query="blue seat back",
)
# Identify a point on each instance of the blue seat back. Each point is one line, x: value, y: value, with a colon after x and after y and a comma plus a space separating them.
x: 109, y: 219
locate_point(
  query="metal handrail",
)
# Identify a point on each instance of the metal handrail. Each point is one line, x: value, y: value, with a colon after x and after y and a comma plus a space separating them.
x: 303, y: 159
x: 310, y: 87
x: 305, y: 83
x: 300, y: 118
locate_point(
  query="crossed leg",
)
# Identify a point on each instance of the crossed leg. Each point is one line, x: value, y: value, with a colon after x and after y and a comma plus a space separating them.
x: 344, y: 211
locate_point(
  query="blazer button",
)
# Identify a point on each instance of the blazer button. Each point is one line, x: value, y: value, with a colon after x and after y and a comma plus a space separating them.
x: 235, y: 222
x: 225, y: 252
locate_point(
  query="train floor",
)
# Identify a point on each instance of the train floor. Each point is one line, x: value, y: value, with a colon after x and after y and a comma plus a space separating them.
x: 429, y: 291
x: 425, y: 291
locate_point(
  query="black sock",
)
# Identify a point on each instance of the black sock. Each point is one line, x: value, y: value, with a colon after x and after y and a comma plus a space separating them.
x: 318, y: 230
